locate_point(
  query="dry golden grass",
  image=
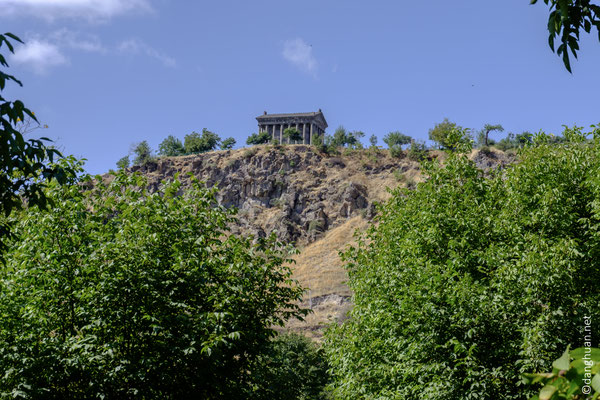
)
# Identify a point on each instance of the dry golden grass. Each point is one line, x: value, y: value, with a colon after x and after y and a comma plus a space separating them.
x: 318, y: 266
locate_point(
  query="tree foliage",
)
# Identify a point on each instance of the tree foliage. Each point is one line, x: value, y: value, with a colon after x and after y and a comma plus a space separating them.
x: 290, y: 367
x: 373, y: 141
x: 227, y: 144
x: 259, y: 138
x: 396, y: 139
x: 123, y: 162
x: 443, y: 132
x: 196, y: 143
x: 567, y: 18
x: 466, y: 282
x: 575, y: 375
x: 118, y: 293
x: 292, y: 134
x: 25, y: 165
x: 143, y: 153
x: 171, y: 147
x: 512, y: 141
x: 342, y: 138
x: 483, y: 139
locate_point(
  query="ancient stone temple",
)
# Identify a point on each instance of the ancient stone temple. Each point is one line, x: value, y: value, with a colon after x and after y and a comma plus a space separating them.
x: 309, y: 124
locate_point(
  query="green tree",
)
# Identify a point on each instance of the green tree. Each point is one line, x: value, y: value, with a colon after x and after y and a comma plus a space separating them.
x: 290, y: 367
x: 227, y: 144
x: 171, y: 147
x: 340, y: 137
x: 25, y: 165
x: 132, y: 294
x: 143, y: 153
x: 417, y: 151
x: 484, y: 134
x: 293, y: 135
x: 396, y: 139
x: 447, y: 132
x: 567, y: 18
x: 353, y: 139
x: 123, y: 162
x: 468, y: 281
x: 195, y: 143
x: 575, y: 375
x: 373, y: 141
x: 259, y: 138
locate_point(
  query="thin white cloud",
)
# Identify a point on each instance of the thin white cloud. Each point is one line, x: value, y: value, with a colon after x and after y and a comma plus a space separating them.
x: 93, y: 10
x: 135, y: 46
x: 77, y: 41
x: 44, y: 53
x: 299, y: 54
x: 39, y: 56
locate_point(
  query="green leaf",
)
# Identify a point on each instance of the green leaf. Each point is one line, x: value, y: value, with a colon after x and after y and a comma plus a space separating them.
x: 563, y: 363
x: 547, y: 392
x: 596, y: 382
x: 592, y: 353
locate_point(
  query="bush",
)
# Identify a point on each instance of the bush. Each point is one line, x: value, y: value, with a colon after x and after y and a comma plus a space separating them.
x: 290, y: 367
x: 578, y: 379
x: 466, y: 282
x: 123, y: 162
x: 443, y: 134
x: 343, y: 138
x: 171, y: 147
x: 260, y: 138
x: 194, y: 143
x: 118, y: 293
x: 143, y: 153
x: 228, y: 144
x: 293, y: 135
x: 396, y: 151
x: 396, y: 139
x: 417, y: 151
x: 373, y: 141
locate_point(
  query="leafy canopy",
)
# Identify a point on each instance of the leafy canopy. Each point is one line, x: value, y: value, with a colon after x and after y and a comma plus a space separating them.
x: 25, y: 165
x: 575, y: 375
x: 116, y: 293
x: 567, y: 18
x: 171, y: 147
x: 468, y: 281
x: 259, y: 138
x: 443, y: 134
x: 293, y: 135
x: 227, y: 144
x: 143, y: 153
x: 195, y: 143
x: 290, y: 367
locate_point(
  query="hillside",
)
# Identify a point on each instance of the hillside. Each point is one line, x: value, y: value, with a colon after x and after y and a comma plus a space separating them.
x: 313, y: 200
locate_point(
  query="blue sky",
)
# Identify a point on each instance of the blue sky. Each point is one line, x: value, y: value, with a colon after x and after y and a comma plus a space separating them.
x: 103, y: 74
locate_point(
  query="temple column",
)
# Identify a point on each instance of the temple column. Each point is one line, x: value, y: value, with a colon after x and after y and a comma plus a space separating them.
x: 280, y: 133
x: 303, y: 133
x: 311, y: 133
x: 298, y: 129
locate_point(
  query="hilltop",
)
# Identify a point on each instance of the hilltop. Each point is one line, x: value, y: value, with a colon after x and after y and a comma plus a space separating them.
x: 313, y: 200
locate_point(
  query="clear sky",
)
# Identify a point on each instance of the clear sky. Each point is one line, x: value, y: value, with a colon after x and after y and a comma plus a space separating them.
x: 104, y: 74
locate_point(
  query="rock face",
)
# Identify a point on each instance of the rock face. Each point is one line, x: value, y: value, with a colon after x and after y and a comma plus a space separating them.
x: 307, y: 198
x: 293, y: 191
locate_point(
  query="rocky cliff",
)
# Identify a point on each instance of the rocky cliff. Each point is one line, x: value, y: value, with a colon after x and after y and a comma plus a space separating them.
x: 314, y: 200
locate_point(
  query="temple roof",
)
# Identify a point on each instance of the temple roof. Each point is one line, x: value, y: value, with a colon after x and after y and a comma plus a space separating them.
x: 315, y: 114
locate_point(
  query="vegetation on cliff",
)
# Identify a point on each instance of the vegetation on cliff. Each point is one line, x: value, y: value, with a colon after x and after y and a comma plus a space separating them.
x: 468, y: 281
